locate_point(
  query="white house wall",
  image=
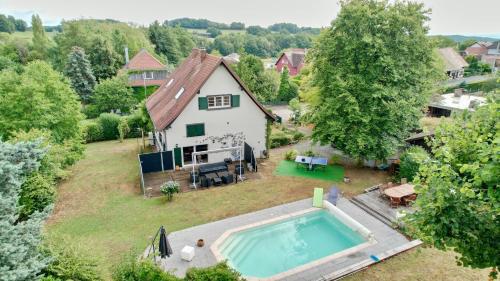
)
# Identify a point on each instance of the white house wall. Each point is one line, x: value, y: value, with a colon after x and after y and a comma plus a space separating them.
x: 247, y: 119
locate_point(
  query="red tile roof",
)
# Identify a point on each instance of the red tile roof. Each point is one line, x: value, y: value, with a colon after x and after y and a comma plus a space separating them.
x: 191, y: 75
x: 148, y: 82
x: 144, y: 61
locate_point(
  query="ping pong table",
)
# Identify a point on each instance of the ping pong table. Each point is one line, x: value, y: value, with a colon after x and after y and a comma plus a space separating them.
x: 311, y: 162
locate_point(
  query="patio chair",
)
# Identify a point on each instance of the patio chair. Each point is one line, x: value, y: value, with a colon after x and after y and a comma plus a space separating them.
x: 408, y: 200
x: 205, y: 182
x: 395, y: 202
x: 381, y: 189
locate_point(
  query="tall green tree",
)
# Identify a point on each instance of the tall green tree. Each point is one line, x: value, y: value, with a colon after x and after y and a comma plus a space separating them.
x: 20, y: 25
x: 38, y: 98
x: 6, y: 25
x: 288, y: 89
x: 40, y: 39
x: 80, y: 74
x: 113, y: 94
x: 251, y: 70
x: 165, y: 42
x: 374, y: 69
x: 20, y: 256
x: 458, y: 203
x: 104, y: 60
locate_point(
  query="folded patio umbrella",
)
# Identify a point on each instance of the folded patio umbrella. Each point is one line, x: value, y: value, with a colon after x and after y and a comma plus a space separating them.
x: 333, y: 195
x: 164, y: 247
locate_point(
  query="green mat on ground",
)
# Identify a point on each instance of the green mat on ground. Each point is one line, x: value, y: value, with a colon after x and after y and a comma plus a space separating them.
x: 328, y: 173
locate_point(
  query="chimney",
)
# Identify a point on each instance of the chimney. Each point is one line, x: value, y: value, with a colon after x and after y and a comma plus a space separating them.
x: 458, y: 92
x: 126, y: 55
x: 203, y: 53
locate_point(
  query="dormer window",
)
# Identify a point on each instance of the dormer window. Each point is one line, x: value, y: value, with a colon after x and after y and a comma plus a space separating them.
x: 170, y: 82
x: 222, y: 101
x: 148, y: 75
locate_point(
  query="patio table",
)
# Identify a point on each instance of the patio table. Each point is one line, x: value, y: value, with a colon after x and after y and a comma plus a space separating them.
x: 400, y: 191
x: 311, y: 162
x: 214, y: 178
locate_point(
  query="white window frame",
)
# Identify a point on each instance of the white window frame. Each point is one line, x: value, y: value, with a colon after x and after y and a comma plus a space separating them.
x: 146, y: 76
x: 219, y: 101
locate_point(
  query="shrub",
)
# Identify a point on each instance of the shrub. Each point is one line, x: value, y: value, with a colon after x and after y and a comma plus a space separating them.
x: 91, y: 111
x: 109, y: 124
x: 291, y: 154
x: 280, y: 139
x: 335, y: 159
x: 37, y: 192
x: 218, y: 272
x: 410, y: 162
x: 70, y: 263
x: 123, y: 128
x: 113, y: 94
x: 92, y: 131
x: 169, y: 189
x: 297, y: 136
x: 135, y: 123
x: 309, y: 153
x: 133, y: 270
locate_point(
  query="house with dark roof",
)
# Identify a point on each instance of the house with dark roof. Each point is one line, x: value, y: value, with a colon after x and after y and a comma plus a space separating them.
x: 144, y: 70
x: 477, y: 49
x: 453, y: 62
x: 204, y: 106
x: 292, y: 59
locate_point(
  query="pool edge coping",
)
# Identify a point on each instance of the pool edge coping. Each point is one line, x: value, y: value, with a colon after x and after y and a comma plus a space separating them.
x: 214, y: 247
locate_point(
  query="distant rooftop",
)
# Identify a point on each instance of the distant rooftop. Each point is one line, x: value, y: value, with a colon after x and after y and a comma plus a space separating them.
x: 454, y: 101
x: 143, y: 60
x: 452, y: 60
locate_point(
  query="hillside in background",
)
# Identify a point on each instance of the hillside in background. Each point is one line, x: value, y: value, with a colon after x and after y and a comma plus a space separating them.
x: 462, y: 38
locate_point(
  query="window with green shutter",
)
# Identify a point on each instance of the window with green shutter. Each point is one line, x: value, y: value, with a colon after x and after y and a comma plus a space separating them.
x: 202, y: 103
x: 235, y: 100
x: 195, y: 130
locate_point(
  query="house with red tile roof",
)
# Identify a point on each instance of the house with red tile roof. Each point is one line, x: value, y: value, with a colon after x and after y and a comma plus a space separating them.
x: 204, y: 106
x: 145, y: 70
x: 293, y: 59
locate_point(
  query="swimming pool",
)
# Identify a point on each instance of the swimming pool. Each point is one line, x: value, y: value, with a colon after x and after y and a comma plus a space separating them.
x: 284, y: 246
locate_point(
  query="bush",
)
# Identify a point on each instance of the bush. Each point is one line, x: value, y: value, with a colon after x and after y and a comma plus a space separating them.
x: 133, y: 270
x: 70, y: 263
x: 290, y: 155
x: 309, y: 153
x: 135, y: 124
x: 280, y: 139
x: 123, y: 129
x: 169, y: 189
x: 113, y: 94
x: 218, y: 272
x: 109, y: 124
x: 90, y: 111
x: 37, y: 192
x: 297, y: 136
x: 92, y: 131
x: 410, y: 162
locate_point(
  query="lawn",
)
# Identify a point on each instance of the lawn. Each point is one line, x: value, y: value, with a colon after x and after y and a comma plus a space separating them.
x: 100, y: 206
x: 328, y: 173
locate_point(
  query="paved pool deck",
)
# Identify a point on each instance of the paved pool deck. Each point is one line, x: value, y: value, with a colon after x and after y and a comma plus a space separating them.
x: 389, y: 242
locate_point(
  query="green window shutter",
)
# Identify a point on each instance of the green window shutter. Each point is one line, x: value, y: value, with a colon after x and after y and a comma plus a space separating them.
x: 195, y: 130
x: 235, y: 100
x: 202, y: 103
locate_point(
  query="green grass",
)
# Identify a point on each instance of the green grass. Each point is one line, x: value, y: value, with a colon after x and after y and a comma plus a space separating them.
x: 27, y: 35
x: 329, y: 173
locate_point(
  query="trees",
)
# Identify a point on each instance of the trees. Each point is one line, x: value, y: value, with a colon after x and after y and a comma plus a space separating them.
x: 20, y: 257
x: 458, y: 195
x: 476, y: 67
x: 287, y: 90
x: 80, y: 73
x: 372, y: 90
x: 237, y: 26
x: 42, y: 99
x: 6, y: 25
x: 165, y: 42
x: 113, y: 94
x: 410, y: 162
x: 20, y: 25
x: 40, y: 40
x: 104, y: 60
x: 262, y: 83
x: 213, y: 32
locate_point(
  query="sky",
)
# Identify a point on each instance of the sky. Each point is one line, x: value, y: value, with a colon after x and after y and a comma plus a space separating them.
x: 467, y: 17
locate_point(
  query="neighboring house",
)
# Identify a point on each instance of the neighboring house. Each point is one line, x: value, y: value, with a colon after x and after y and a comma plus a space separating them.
x: 444, y: 105
x: 292, y: 59
x: 145, y: 70
x: 204, y: 106
x: 492, y: 60
x: 453, y: 62
x: 477, y: 49
x: 494, y: 49
x: 232, y: 58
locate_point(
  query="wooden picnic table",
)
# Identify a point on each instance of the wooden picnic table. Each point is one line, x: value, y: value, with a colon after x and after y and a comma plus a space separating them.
x: 400, y: 191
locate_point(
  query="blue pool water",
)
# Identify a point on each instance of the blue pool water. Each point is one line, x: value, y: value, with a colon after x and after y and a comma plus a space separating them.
x: 277, y: 247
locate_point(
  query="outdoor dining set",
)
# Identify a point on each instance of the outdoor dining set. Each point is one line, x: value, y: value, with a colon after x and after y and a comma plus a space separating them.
x: 215, y: 174
x: 401, y: 195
